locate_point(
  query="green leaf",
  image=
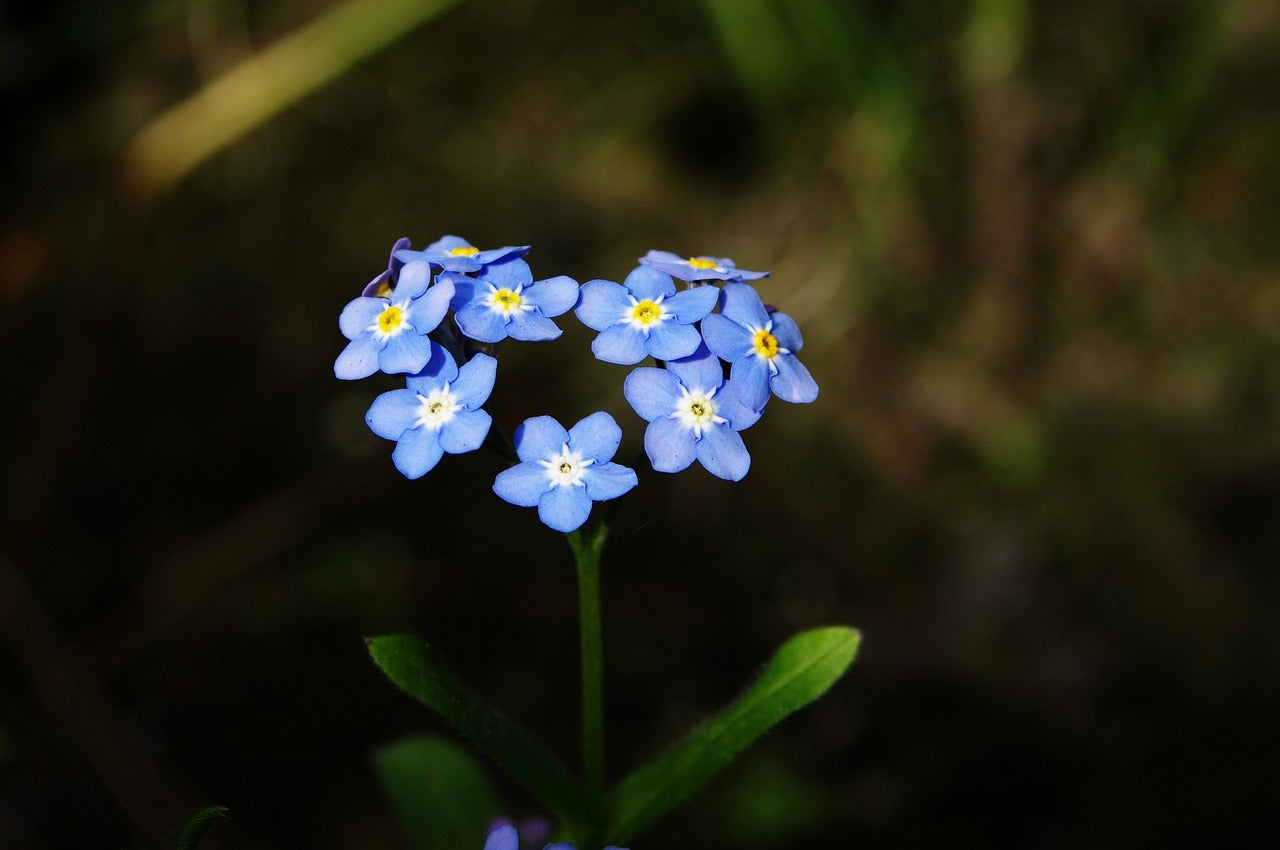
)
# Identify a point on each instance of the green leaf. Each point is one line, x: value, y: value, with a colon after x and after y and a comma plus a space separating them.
x: 198, y: 826
x: 441, y: 794
x: 802, y: 670
x: 409, y: 663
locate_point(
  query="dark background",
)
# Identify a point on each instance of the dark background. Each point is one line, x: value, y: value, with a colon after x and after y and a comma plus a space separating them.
x: 1032, y: 248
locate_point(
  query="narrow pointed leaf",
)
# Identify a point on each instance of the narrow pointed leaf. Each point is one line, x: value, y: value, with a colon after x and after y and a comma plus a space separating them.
x: 199, y: 824
x: 442, y: 795
x: 409, y: 663
x: 801, y: 670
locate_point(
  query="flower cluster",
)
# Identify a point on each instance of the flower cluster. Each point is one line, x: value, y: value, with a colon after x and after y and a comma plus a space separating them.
x: 720, y: 354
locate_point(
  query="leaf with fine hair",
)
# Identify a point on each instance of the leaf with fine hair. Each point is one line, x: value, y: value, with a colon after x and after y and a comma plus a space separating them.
x: 442, y: 795
x: 409, y: 663
x: 801, y: 670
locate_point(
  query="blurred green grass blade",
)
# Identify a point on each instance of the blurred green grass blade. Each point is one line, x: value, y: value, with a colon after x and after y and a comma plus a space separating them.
x: 442, y: 795
x: 408, y: 662
x: 191, y: 131
x: 801, y: 670
x: 196, y: 828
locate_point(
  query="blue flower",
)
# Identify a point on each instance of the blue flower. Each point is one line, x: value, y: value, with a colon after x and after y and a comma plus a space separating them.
x: 698, y: 268
x: 505, y: 302
x: 390, y: 332
x: 760, y: 347
x: 438, y: 412
x: 455, y: 254
x: 505, y: 838
x: 382, y: 285
x: 644, y: 316
x: 692, y: 412
x: 563, y: 472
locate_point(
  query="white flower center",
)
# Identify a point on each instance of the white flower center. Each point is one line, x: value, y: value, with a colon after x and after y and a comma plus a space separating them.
x: 696, y: 411
x: 565, y: 469
x: 437, y: 408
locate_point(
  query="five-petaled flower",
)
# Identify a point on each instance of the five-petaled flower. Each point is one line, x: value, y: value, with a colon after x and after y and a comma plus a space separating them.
x: 455, y: 254
x: 438, y: 412
x: 389, y: 333
x: 760, y: 347
x: 504, y: 301
x: 694, y: 269
x: 505, y: 837
x: 692, y: 413
x: 562, y: 472
x: 644, y: 316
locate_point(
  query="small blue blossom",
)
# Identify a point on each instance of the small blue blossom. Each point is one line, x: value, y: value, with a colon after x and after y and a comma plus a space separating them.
x: 389, y: 333
x: 386, y: 281
x: 698, y: 268
x: 692, y: 413
x: 505, y: 837
x: 504, y: 301
x: 644, y: 316
x: 562, y: 472
x: 455, y: 254
x: 760, y: 347
x: 438, y: 412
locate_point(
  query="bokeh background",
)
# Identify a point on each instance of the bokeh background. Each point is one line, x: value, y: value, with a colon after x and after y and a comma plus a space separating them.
x: 1033, y: 251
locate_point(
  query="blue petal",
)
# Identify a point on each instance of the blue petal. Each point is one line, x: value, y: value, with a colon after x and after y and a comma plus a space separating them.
x: 726, y: 338
x: 601, y: 304
x: 699, y: 371
x: 522, y: 485
x: 552, y: 296
x: 692, y: 304
x: 750, y: 375
x: 669, y: 341
x: 532, y: 327
x: 723, y: 453
x: 496, y: 255
x: 608, y: 481
x: 358, y: 360
x: 447, y: 243
x: 414, y: 279
x: 464, y: 289
x: 475, y: 381
x: 417, y: 453
x: 539, y: 438
x: 787, y: 332
x: 428, y: 310
x: 596, y: 437
x: 440, y: 368
x: 465, y: 432
x: 793, y: 382
x: 392, y: 413
x: 509, y: 273
x: 648, y: 282
x: 742, y: 303
x: 481, y: 324
x: 621, y: 344
x: 561, y: 846
x: 360, y: 315
x: 405, y: 352
x: 730, y: 405
x: 670, y: 446
x: 504, y: 837
x: 651, y: 392
x: 564, y: 508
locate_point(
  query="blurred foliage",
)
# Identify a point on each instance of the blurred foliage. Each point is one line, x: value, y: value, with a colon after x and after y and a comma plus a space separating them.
x: 1032, y: 249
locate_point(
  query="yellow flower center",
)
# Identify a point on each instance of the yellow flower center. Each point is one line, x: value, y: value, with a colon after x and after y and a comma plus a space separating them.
x: 702, y: 263
x: 390, y: 319
x: 434, y: 407
x: 506, y: 299
x: 646, y: 312
x: 699, y: 410
x: 765, y: 344
x: 463, y: 251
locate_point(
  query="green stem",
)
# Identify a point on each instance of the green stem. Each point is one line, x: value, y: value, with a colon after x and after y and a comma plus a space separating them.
x: 586, y: 553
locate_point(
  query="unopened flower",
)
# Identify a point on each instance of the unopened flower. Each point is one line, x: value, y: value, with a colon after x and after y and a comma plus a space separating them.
x: 760, y: 347
x: 389, y: 333
x: 698, y: 268
x: 644, y: 316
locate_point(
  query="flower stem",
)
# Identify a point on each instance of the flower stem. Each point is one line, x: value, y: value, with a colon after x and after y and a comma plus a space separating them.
x: 586, y: 553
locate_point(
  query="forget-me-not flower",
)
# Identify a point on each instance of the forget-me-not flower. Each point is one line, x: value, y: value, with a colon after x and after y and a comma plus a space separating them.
x: 455, y: 254
x: 692, y: 413
x: 562, y: 472
x: 389, y: 333
x: 760, y: 347
x: 438, y: 412
x: 504, y: 301
x: 505, y: 837
x: 382, y: 285
x: 694, y: 269
x: 644, y: 315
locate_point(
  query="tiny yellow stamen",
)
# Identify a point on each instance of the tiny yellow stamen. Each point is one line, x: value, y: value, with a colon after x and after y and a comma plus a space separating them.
x: 464, y: 251
x: 646, y: 312
x: 700, y: 263
x: 698, y: 409
x: 390, y: 319
x: 765, y: 344
x: 565, y: 467
x: 434, y: 407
